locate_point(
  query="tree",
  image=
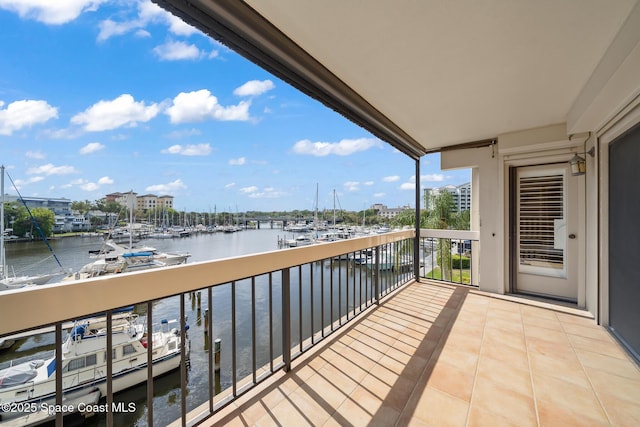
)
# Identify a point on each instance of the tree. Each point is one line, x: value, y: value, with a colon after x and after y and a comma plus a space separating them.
x: 82, y: 207
x: 440, y: 218
x: 25, y: 223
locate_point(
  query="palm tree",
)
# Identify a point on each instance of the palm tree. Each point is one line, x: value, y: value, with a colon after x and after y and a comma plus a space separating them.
x: 442, y: 217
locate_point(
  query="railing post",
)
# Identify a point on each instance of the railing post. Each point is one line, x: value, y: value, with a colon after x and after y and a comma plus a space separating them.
x: 416, y: 240
x: 59, y: 391
x: 376, y: 279
x: 286, y: 319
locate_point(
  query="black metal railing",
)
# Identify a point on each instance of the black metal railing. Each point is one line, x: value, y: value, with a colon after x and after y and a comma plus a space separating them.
x: 247, y: 317
x: 449, y: 256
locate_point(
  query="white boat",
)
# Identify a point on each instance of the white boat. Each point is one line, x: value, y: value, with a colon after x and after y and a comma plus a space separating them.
x: 84, y: 363
x: 11, y: 280
x: 302, y: 240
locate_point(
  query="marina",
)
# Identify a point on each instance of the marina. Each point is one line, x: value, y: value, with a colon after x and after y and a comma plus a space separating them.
x: 73, y: 253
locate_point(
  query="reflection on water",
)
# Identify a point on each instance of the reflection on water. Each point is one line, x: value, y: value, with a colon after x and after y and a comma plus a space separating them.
x: 73, y: 254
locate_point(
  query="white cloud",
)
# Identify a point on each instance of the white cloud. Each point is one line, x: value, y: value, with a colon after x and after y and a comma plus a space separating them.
x: 23, y: 114
x: 267, y: 193
x: 238, y: 162
x: 408, y: 186
x: 90, y: 186
x: 38, y: 155
x: 170, y: 188
x: 21, y: 182
x: 122, y: 111
x: 188, y: 150
x: 200, y: 105
x: 50, y: 12
x: 50, y: 169
x: 147, y: 13
x: 177, y: 134
x: 150, y: 12
x: 109, y: 28
x: 351, y: 186
x: 105, y: 180
x: 368, y: 183
x: 254, y: 88
x: 392, y: 178
x: 251, y: 189
x: 343, y: 148
x: 91, y: 147
x: 176, y: 51
x: 230, y: 185
x: 434, y: 177
x: 378, y: 195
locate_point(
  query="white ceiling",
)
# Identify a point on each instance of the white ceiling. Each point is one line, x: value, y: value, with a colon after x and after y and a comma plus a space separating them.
x: 450, y: 72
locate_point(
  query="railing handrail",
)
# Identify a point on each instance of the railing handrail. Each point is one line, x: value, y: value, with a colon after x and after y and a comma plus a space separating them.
x: 38, y: 306
x: 450, y: 234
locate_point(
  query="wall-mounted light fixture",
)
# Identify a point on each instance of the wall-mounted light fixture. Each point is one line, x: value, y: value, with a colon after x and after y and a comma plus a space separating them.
x: 578, y: 163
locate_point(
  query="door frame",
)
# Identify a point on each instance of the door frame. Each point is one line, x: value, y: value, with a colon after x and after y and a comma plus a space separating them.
x: 609, y: 134
x: 561, y: 151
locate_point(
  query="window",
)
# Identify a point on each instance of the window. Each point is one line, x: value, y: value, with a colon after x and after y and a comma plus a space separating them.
x: 128, y: 349
x: 75, y: 364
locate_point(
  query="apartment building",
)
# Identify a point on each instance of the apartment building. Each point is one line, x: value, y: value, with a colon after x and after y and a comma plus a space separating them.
x: 461, y: 196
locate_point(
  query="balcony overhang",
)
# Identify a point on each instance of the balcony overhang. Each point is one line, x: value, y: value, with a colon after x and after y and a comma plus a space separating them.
x: 423, y: 75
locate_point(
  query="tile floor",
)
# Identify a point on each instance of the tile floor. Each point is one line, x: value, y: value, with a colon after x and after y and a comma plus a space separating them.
x: 439, y: 355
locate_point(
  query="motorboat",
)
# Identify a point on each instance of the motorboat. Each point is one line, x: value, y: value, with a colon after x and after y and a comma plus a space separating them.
x: 84, y: 363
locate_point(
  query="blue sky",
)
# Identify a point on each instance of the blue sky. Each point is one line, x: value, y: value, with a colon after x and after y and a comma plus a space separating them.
x: 102, y: 96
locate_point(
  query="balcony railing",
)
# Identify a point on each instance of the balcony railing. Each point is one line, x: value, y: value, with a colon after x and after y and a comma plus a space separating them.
x: 262, y: 311
x: 450, y: 255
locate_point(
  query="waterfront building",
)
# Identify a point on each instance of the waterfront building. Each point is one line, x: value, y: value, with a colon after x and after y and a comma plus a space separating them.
x: 461, y: 196
x: 59, y: 206
x: 144, y: 202
x: 389, y: 213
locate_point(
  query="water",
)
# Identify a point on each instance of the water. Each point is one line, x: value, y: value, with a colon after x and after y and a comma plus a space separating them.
x: 73, y: 254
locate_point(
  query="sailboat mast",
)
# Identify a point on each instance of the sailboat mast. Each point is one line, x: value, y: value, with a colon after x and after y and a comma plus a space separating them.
x: 3, y: 265
x: 334, y: 207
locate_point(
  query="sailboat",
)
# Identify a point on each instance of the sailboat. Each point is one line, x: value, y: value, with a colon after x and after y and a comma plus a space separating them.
x: 13, y: 281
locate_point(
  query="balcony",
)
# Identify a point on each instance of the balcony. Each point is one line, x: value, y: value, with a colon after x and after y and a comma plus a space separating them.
x: 361, y: 344
x: 439, y: 354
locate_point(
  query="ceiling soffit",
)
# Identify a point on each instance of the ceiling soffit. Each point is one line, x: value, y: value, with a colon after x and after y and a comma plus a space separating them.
x: 242, y: 29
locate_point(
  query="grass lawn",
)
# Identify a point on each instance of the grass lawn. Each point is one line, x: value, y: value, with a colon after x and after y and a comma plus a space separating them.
x: 437, y: 274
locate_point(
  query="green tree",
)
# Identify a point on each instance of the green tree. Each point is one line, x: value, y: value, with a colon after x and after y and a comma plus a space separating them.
x: 82, y: 207
x: 440, y: 218
x: 25, y: 223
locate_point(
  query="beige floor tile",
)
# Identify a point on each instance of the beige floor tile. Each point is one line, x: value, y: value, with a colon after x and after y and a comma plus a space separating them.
x: 314, y: 410
x: 482, y: 418
x: 441, y: 355
x: 507, y: 375
x: 436, y: 408
x: 613, y: 365
x: 607, y: 348
x: 567, y: 368
x: 553, y: 415
x: 504, y: 324
x: 286, y: 413
x: 507, y: 400
x: 452, y: 380
x: 551, y: 324
x: 505, y: 354
x: 555, y: 336
x: 617, y: 387
x: 501, y: 338
x: 562, y: 350
x: 588, y: 331
x: 467, y: 361
x: 558, y: 396
x: 622, y: 413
